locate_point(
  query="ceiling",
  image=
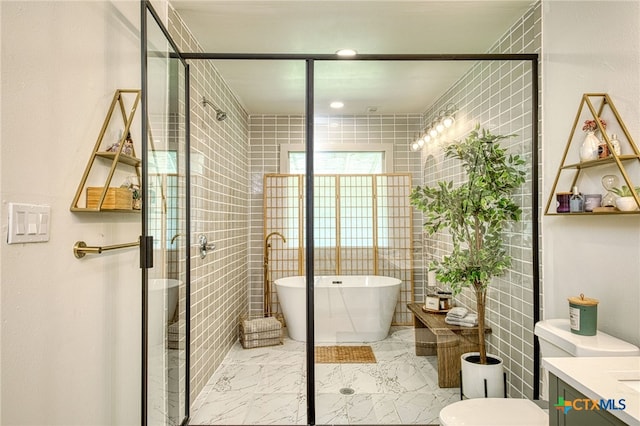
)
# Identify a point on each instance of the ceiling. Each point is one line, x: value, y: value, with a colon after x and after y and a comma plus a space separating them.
x: 323, y: 27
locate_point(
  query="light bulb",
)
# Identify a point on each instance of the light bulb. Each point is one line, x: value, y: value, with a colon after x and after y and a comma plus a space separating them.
x: 440, y: 127
x: 448, y: 121
x: 420, y: 142
x: 415, y: 146
x: 346, y: 52
x: 433, y: 132
x: 427, y: 138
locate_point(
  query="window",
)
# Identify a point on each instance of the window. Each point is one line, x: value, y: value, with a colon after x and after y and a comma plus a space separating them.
x: 351, y: 159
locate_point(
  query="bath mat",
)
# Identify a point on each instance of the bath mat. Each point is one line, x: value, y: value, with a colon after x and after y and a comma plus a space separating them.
x: 345, y: 355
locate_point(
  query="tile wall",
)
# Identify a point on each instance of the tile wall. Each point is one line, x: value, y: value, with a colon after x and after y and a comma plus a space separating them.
x: 220, y: 210
x: 498, y: 96
x: 268, y: 132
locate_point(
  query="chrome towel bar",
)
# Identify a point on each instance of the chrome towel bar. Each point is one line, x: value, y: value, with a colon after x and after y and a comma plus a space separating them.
x: 80, y: 248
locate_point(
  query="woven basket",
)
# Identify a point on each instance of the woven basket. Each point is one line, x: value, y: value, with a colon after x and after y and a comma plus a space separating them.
x: 256, y: 332
x: 115, y: 199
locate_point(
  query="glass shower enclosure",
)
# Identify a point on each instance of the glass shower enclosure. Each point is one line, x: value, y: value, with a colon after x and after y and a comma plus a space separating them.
x: 166, y: 194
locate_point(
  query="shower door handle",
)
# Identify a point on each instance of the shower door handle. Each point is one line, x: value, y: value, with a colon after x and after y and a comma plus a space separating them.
x: 205, y: 246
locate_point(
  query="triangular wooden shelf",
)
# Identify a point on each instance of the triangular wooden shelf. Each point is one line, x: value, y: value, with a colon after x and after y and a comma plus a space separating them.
x: 604, y: 104
x: 116, y: 158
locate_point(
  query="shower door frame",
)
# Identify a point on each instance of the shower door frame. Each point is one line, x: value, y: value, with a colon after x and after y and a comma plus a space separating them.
x: 310, y: 60
x: 146, y: 241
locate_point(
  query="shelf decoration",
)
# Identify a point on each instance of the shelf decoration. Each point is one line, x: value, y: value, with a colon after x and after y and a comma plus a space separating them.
x: 596, y: 153
x: 105, y: 197
x: 591, y: 143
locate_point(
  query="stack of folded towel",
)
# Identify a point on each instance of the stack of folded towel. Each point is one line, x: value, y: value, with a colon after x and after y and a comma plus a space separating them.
x: 461, y: 316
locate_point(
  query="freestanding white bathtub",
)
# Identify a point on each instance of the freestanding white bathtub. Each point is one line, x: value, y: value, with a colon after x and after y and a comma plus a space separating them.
x: 348, y: 308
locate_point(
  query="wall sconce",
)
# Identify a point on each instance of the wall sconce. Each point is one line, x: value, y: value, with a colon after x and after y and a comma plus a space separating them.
x: 417, y: 144
x: 444, y: 120
x: 448, y: 116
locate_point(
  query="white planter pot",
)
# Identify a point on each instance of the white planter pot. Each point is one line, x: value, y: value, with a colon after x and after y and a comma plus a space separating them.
x: 626, y: 204
x: 474, y: 375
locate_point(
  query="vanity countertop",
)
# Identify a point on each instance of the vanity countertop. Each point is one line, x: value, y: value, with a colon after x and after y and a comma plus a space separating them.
x: 602, y: 378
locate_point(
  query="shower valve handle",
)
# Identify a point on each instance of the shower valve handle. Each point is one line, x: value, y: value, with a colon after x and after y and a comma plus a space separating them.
x: 205, y: 246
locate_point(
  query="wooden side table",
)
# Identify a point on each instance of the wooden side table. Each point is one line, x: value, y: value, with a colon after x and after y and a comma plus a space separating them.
x: 433, y: 336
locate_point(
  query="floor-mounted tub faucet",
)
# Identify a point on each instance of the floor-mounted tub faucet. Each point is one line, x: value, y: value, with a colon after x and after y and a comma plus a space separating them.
x: 267, y: 284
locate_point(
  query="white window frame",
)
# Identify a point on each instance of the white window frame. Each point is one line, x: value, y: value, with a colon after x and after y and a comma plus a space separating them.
x: 386, y: 148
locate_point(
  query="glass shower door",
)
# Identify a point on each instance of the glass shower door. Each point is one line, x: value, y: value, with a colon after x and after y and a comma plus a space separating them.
x: 165, y: 226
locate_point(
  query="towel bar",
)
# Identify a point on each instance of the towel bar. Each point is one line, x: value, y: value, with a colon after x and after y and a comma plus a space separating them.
x: 80, y: 248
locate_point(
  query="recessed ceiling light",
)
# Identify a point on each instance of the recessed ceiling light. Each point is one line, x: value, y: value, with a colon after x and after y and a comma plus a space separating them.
x: 336, y: 105
x: 346, y: 52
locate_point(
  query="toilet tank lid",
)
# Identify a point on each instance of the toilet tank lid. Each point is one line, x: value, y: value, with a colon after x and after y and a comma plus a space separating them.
x: 558, y: 332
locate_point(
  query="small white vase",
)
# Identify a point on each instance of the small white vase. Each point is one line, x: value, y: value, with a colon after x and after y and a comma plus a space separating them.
x: 474, y: 375
x: 589, y: 147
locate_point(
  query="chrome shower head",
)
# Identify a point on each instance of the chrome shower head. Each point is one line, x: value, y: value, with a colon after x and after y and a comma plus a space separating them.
x: 220, y: 114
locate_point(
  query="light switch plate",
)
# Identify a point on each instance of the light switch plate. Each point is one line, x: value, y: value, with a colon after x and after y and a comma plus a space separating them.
x: 28, y: 223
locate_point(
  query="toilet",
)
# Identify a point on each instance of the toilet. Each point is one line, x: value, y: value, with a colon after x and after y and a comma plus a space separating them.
x: 556, y: 340
x: 493, y: 412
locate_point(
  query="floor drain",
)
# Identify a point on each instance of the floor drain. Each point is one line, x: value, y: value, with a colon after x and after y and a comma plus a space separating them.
x: 347, y: 391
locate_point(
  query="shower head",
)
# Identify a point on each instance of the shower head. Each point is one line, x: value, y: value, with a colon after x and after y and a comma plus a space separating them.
x: 220, y: 114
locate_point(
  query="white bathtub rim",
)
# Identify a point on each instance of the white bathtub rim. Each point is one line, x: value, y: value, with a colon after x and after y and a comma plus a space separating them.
x: 327, y: 281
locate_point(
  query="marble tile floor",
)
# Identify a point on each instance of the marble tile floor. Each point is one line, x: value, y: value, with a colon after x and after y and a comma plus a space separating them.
x: 267, y: 385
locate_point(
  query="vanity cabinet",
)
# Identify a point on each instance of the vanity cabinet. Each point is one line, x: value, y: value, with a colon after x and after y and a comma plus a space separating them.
x: 571, y: 170
x: 559, y: 389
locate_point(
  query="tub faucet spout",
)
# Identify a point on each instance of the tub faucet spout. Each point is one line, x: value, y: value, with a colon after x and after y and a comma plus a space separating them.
x: 175, y: 237
x: 266, y: 240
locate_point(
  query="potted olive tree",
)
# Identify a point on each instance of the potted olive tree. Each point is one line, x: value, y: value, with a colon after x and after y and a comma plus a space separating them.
x: 475, y: 213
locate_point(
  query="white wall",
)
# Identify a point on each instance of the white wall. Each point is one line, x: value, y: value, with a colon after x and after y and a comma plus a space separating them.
x: 590, y: 46
x: 70, y: 328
